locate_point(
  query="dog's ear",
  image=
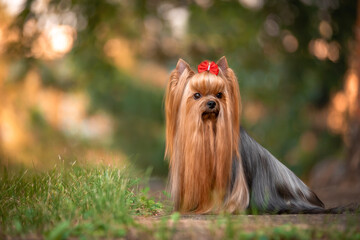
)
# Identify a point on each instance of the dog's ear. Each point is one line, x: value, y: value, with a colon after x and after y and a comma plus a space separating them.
x: 181, y: 66
x: 180, y: 75
x: 179, y: 78
x: 223, y: 64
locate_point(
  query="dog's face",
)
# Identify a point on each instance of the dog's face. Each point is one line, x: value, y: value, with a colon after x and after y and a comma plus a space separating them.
x: 205, y: 95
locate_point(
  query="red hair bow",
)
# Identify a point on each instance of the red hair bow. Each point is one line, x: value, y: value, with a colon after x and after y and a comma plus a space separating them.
x: 208, y: 66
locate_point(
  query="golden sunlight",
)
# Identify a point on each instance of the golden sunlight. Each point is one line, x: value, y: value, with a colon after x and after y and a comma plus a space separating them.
x: 319, y: 48
x: 54, y: 42
x: 336, y: 121
x: 343, y: 104
x: 13, y: 7
x: 61, y: 38
x: 351, y: 91
x: 121, y: 52
x: 333, y: 51
x: 339, y: 102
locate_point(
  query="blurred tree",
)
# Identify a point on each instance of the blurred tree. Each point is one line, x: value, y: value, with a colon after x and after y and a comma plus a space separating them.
x: 290, y: 58
x: 354, y: 125
x: 289, y: 55
x: 136, y: 108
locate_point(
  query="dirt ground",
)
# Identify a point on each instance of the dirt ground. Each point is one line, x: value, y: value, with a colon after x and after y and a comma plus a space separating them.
x: 202, y: 226
x: 208, y: 226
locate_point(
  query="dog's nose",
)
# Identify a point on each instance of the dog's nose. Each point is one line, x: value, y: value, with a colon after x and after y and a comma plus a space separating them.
x: 211, y: 104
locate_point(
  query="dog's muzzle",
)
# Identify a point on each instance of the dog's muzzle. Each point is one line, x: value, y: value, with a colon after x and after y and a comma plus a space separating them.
x: 212, y: 110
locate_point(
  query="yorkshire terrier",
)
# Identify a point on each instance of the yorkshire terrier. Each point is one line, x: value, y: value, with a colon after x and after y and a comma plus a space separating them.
x: 215, y: 166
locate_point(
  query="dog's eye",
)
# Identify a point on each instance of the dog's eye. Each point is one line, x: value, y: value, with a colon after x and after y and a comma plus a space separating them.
x: 219, y: 95
x: 197, y: 96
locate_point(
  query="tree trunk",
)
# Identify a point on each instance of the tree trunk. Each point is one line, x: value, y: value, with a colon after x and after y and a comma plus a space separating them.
x: 354, y: 124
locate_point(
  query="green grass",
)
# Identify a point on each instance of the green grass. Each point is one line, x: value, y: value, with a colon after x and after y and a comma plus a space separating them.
x: 76, y: 201
x: 90, y: 202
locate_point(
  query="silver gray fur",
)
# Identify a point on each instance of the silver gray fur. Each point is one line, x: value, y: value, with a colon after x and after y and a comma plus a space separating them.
x: 273, y: 187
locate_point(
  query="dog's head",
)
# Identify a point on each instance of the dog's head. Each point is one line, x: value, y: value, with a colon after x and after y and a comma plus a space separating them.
x: 201, y: 97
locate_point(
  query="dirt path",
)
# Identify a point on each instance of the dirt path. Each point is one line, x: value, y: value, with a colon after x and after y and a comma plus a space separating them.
x: 320, y: 226
x: 216, y: 227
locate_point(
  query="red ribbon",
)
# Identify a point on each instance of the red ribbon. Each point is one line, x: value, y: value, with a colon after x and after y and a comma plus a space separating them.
x: 210, y: 67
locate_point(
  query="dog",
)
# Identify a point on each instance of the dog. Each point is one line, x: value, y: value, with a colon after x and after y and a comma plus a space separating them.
x: 214, y: 165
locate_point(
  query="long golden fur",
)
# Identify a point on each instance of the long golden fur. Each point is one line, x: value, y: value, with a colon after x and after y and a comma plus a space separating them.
x: 202, y: 145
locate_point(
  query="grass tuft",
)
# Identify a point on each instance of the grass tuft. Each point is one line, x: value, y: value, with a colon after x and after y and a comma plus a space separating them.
x: 76, y: 201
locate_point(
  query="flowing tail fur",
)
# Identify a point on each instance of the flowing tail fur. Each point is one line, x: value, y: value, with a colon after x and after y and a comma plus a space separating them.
x: 273, y: 187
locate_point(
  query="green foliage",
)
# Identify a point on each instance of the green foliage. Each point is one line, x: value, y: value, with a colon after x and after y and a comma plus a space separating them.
x: 136, y: 109
x: 75, y: 200
x: 291, y: 86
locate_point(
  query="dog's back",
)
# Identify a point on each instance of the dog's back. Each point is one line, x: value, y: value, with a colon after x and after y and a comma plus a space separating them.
x: 273, y: 187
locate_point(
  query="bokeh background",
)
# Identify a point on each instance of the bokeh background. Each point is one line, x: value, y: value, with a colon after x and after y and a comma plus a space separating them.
x: 84, y: 80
